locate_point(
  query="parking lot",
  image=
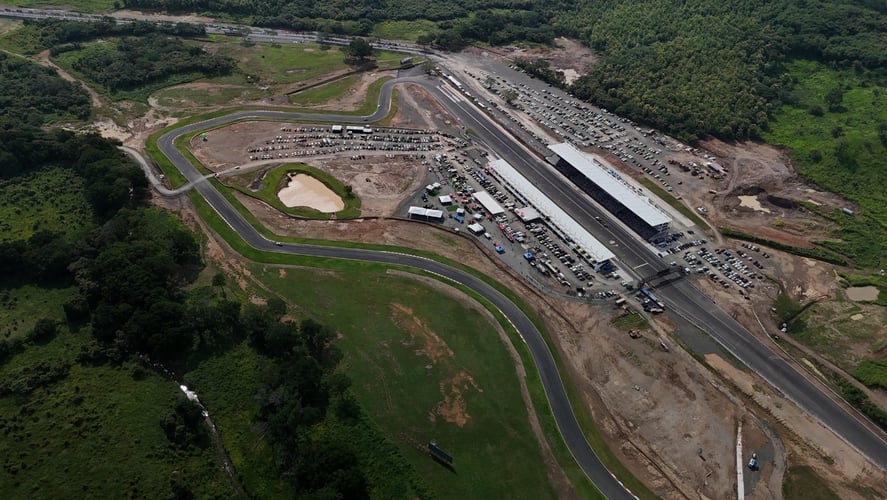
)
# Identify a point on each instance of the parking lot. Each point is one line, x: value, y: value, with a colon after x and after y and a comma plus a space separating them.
x: 536, y: 248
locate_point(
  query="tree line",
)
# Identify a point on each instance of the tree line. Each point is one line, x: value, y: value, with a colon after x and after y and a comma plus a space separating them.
x: 33, y: 95
x: 692, y: 68
x: 134, y: 62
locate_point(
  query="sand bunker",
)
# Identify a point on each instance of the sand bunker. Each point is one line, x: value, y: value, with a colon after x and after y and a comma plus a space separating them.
x: 752, y: 203
x: 306, y: 191
x: 862, y: 293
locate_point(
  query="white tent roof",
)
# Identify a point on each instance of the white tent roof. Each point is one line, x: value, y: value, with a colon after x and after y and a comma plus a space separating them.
x: 488, y: 203
x: 555, y: 214
x: 594, y: 171
x: 445, y: 199
x: 425, y: 212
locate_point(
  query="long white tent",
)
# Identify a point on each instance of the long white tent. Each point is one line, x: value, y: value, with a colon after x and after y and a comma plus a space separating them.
x: 556, y: 216
x: 488, y: 203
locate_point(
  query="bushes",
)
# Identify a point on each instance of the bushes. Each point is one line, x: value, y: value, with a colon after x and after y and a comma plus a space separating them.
x: 872, y: 373
x: 813, y: 253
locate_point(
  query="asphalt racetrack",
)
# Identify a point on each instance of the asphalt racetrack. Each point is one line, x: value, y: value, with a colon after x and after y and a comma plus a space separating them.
x: 551, y: 380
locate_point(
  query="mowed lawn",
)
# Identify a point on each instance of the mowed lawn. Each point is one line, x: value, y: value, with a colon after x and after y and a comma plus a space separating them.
x: 426, y: 367
x: 280, y: 64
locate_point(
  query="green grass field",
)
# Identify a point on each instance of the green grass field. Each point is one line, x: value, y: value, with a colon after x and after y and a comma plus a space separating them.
x: 404, y: 30
x: 427, y: 367
x: 50, y: 199
x: 631, y: 321
x: 841, y: 150
x: 872, y: 373
x: 324, y: 93
x: 269, y: 64
x: 802, y: 483
x: 21, y: 307
x: 830, y: 328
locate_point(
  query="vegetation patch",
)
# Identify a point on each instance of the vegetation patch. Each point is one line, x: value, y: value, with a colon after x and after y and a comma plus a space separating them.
x: 631, y: 320
x: 369, y: 104
x: 835, y: 123
x: 32, y: 94
x: 802, y: 483
x: 49, y: 199
x: 324, y: 93
x: 135, y: 67
x: 404, y: 30
x: 277, y: 178
x: 276, y: 64
x: 89, y: 6
x: 67, y: 427
x: 872, y: 373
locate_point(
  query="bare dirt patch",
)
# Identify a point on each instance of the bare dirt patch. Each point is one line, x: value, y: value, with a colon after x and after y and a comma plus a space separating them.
x: 306, y: 191
x: 432, y: 346
x: 417, y: 108
x: 862, y: 293
x: 568, y: 55
x: 763, y: 175
x: 453, y: 408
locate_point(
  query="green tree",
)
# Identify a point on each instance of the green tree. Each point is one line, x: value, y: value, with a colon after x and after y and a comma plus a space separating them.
x: 359, y: 49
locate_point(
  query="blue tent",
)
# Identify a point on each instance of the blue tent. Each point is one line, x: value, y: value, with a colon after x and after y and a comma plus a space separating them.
x: 500, y: 249
x: 528, y: 256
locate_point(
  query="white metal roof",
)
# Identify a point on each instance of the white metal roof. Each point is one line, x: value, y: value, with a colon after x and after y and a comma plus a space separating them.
x: 639, y: 204
x: 555, y: 214
x: 488, y: 203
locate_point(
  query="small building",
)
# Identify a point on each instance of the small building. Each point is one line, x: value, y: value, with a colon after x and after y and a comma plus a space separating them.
x: 528, y: 214
x: 445, y: 199
x: 476, y: 228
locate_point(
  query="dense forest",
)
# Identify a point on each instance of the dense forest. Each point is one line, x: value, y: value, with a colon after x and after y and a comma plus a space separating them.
x: 129, y: 273
x: 133, y: 62
x: 32, y: 94
x: 691, y: 68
